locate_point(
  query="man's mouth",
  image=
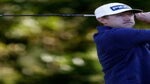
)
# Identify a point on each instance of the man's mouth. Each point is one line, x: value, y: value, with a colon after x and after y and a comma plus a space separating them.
x: 128, y: 23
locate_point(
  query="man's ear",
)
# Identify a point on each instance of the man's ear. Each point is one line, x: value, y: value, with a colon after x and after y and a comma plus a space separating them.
x: 102, y: 20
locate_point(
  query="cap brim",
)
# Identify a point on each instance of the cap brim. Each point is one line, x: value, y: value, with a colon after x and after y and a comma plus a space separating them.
x: 136, y: 10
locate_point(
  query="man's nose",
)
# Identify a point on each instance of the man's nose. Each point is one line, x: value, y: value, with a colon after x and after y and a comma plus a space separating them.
x: 127, y: 17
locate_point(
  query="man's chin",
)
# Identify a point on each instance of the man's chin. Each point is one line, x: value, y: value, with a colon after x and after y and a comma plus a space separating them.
x: 128, y: 26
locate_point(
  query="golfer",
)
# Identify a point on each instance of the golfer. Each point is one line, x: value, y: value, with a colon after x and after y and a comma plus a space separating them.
x: 123, y: 51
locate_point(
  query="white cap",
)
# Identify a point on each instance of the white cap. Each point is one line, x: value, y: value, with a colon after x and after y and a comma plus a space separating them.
x: 113, y: 8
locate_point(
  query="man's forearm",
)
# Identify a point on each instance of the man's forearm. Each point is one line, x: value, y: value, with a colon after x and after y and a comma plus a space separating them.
x: 145, y: 17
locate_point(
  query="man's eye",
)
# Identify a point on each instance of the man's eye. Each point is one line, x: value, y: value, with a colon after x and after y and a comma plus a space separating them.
x: 131, y: 14
x: 119, y: 15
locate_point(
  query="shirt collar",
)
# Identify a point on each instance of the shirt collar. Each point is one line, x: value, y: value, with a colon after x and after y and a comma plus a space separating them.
x: 103, y: 28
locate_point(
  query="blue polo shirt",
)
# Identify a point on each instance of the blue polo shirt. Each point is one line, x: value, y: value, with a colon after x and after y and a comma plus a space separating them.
x: 124, y: 54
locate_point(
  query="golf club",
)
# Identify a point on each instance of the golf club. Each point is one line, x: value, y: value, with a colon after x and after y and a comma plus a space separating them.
x: 42, y: 15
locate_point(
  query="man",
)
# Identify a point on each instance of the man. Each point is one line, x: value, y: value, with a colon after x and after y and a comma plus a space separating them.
x: 122, y: 50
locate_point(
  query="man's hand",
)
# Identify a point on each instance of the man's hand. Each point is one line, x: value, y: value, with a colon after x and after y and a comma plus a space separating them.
x: 145, y: 16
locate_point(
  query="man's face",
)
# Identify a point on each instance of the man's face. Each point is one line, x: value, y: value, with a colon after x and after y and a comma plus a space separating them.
x: 125, y: 20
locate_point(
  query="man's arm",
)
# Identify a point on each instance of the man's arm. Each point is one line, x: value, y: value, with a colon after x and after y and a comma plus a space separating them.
x: 131, y: 37
x: 145, y: 16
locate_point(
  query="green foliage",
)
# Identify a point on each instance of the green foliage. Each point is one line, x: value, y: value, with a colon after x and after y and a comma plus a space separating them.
x: 51, y: 50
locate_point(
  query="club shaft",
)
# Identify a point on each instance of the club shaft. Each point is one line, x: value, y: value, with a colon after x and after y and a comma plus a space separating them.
x: 62, y: 15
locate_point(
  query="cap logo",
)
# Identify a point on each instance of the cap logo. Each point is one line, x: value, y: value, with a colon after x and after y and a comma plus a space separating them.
x: 118, y: 7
